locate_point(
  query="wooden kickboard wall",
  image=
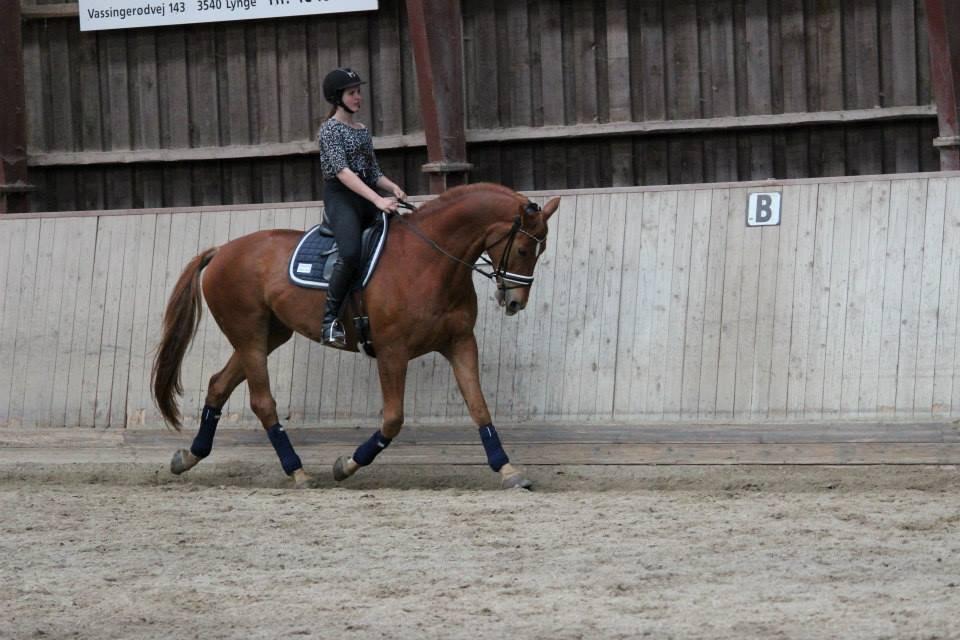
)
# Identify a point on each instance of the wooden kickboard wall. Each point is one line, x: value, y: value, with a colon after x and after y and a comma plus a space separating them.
x: 650, y: 304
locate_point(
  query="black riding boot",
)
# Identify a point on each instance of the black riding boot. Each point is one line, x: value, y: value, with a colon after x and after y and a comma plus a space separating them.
x: 340, y: 281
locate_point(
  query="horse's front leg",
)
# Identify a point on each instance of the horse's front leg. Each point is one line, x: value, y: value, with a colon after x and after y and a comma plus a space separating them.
x: 393, y: 375
x: 464, y: 359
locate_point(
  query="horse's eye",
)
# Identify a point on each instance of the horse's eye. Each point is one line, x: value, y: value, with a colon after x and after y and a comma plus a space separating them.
x: 522, y: 252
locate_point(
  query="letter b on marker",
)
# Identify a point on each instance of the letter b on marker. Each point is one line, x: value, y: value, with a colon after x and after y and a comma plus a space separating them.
x: 764, y: 212
x: 763, y: 209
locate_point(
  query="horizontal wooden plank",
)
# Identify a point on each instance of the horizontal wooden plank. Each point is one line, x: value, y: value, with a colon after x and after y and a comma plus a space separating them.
x: 822, y: 433
x: 44, y: 11
x: 316, y: 457
x: 813, y: 433
x: 764, y: 184
x: 814, y: 443
x: 193, y: 154
x: 507, y: 134
x: 729, y: 123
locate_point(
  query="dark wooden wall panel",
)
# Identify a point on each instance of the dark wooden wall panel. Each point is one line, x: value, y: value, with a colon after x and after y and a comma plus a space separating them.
x: 293, y: 179
x: 667, y: 160
x: 527, y: 64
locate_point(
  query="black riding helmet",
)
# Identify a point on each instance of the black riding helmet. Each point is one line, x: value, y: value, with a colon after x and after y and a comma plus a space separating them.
x: 338, y: 81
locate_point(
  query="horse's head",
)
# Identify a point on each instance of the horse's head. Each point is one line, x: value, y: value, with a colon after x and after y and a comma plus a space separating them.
x: 515, y: 254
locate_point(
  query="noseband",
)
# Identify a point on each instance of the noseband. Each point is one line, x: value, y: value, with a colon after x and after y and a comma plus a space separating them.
x: 501, y: 272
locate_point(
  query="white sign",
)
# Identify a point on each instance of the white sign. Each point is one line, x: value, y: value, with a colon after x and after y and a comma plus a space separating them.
x: 127, y: 14
x: 763, y: 209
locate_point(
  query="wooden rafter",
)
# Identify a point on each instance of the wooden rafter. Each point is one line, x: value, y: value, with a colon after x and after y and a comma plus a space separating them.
x: 943, y: 25
x: 13, y: 120
x: 436, y: 33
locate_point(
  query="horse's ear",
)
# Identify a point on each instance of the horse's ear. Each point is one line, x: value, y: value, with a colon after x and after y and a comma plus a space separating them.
x: 550, y: 208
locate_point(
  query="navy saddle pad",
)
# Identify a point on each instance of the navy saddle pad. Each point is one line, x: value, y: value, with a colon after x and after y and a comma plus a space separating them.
x: 312, y: 261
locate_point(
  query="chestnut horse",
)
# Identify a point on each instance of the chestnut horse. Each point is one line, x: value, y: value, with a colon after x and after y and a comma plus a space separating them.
x: 420, y: 299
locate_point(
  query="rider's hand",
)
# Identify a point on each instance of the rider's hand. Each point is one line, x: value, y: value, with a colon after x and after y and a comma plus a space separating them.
x: 386, y: 204
x: 398, y: 193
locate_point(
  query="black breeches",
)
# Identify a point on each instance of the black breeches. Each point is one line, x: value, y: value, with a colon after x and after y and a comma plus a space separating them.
x: 348, y: 215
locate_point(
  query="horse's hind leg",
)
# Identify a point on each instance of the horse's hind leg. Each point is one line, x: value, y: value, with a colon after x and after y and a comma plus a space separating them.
x: 392, y: 368
x: 463, y: 356
x: 221, y: 386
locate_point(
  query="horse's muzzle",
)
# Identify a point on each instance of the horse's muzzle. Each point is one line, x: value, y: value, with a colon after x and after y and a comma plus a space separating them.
x: 510, y: 301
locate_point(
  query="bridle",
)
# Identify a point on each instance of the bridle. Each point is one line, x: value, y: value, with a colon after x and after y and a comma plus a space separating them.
x: 505, y: 278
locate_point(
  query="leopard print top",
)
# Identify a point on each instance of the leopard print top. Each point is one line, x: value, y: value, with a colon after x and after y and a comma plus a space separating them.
x: 343, y: 146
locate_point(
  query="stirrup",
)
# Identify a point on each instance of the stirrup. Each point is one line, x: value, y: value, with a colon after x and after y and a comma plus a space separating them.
x: 334, y: 335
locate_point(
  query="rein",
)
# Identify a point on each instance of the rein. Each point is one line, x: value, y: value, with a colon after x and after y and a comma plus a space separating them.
x: 500, y: 271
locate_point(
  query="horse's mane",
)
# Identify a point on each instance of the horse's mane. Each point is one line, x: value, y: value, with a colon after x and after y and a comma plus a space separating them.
x: 447, y: 198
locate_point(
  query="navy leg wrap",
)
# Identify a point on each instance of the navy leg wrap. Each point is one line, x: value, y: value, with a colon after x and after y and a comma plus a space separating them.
x: 281, y: 444
x: 366, y: 452
x: 496, y: 456
x: 203, y: 442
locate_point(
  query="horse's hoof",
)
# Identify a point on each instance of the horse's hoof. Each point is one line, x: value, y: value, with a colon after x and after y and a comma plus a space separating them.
x: 341, y: 469
x: 182, y: 461
x: 517, y: 481
x: 300, y: 479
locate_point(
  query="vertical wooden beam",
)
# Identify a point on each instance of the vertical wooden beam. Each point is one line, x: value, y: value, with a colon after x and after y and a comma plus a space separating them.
x: 13, y: 118
x: 943, y: 23
x: 437, y: 33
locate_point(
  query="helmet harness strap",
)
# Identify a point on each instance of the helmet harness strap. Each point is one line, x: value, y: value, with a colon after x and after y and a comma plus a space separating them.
x: 341, y: 104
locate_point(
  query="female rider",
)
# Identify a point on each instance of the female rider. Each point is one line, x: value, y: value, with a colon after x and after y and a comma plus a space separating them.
x: 350, y: 197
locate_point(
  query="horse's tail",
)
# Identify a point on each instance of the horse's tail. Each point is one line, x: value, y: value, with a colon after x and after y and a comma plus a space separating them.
x: 180, y: 322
